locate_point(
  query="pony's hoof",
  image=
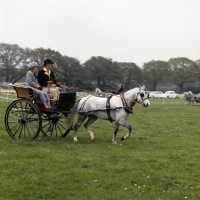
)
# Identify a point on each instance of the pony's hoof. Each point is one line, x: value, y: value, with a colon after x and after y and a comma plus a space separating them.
x: 91, y: 139
x: 122, y: 138
x: 75, y: 139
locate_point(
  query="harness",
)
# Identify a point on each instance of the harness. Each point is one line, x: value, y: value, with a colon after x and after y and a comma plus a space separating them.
x: 83, y: 104
x: 108, y: 108
x: 125, y: 106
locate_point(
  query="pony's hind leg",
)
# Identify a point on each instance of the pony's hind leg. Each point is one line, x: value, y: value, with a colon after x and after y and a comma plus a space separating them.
x: 115, y: 133
x: 81, y: 119
x: 91, y: 120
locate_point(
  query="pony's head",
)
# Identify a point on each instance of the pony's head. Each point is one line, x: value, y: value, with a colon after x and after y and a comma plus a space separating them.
x: 143, y: 96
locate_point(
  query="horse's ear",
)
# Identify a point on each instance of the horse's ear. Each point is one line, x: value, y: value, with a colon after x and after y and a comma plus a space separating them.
x: 143, y: 87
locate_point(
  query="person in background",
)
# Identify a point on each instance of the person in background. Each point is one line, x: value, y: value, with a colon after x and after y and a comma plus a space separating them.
x: 118, y: 90
x: 47, y: 80
x: 32, y: 81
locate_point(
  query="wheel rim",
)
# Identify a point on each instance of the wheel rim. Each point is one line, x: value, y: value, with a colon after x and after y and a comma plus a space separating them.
x: 22, y: 120
x: 54, y: 124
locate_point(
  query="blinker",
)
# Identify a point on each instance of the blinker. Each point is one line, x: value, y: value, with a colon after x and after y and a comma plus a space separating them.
x: 142, y: 95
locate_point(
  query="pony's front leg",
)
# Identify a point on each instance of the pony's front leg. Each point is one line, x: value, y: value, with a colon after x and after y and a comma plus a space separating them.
x: 115, y: 133
x: 129, y: 130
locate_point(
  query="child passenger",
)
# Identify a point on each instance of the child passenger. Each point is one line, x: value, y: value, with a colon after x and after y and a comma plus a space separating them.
x: 32, y: 81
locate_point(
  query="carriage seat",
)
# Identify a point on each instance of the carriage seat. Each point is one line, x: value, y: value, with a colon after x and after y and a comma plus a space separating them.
x: 24, y: 91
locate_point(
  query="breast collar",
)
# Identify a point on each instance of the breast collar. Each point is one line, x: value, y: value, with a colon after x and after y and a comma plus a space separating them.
x: 126, y: 108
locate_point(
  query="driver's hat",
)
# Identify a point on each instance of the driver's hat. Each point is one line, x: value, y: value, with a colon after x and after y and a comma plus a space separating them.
x: 47, y: 61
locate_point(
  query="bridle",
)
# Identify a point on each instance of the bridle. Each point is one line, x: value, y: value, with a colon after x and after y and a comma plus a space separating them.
x: 141, y: 96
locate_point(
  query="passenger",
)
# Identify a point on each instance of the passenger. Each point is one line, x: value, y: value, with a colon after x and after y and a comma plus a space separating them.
x: 32, y: 81
x: 118, y: 90
x: 47, y: 80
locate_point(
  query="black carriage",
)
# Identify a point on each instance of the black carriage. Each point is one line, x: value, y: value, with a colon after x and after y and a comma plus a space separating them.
x: 25, y: 118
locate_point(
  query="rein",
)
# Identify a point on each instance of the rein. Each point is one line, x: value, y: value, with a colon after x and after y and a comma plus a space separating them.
x: 92, y: 92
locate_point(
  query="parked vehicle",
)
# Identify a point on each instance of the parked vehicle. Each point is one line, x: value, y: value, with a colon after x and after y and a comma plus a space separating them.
x: 170, y: 94
x: 156, y: 94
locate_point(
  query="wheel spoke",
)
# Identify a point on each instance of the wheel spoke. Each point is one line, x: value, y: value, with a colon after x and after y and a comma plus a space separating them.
x: 20, y: 132
x: 17, y: 130
x: 26, y: 108
x: 29, y: 115
x: 14, y: 115
x: 33, y: 119
x: 15, y: 126
x: 60, y: 129
x: 62, y: 126
x: 21, y: 109
x: 50, y: 129
x: 31, y: 127
x: 15, y: 107
x: 29, y: 131
x: 16, y: 111
x: 14, y: 121
x: 46, y: 124
x: 24, y: 131
x: 56, y: 130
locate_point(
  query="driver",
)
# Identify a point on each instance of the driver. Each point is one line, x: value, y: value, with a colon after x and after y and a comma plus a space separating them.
x: 48, y: 82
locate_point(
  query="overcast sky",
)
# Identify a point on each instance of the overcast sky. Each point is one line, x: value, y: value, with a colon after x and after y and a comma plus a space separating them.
x: 124, y: 30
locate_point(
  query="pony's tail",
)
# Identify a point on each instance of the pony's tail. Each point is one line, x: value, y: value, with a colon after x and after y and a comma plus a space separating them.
x: 70, y: 117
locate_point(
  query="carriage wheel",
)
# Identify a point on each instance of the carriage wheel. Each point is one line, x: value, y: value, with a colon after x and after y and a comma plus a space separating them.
x: 53, y: 124
x: 22, y: 120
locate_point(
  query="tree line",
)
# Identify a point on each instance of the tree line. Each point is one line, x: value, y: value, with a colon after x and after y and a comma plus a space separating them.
x: 99, y: 71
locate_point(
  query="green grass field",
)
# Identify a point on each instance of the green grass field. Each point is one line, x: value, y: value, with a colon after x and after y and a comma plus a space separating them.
x: 160, y: 160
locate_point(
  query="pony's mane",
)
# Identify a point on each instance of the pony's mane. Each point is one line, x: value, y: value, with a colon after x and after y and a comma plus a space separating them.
x: 131, y: 91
